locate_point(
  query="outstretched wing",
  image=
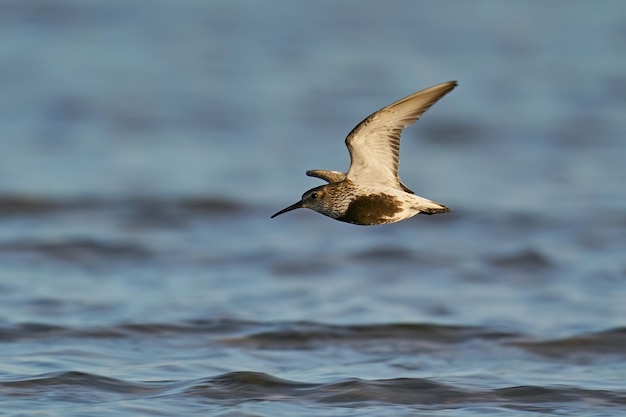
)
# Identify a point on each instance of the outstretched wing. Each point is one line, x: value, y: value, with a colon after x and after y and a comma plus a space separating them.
x: 374, y: 144
x: 328, y: 176
x: 336, y: 176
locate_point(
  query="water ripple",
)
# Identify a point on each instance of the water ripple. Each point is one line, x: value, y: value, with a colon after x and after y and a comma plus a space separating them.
x: 310, y: 335
x: 31, y: 205
x: 608, y: 342
x: 238, y: 387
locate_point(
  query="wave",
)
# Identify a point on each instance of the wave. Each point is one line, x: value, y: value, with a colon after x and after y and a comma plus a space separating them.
x: 124, y: 214
x: 25, y: 205
x: 226, y: 389
x: 309, y: 335
x: 77, y: 250
x: 238, y: 387
x: 607, y: 342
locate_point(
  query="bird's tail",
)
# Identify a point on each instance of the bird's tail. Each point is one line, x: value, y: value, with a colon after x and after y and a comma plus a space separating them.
x: 430, y: 207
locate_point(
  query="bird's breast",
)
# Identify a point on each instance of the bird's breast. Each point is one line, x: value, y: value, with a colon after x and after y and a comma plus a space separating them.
x: 373, y: 208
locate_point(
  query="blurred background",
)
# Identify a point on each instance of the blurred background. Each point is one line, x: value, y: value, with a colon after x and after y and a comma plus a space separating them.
x: 144, y: 145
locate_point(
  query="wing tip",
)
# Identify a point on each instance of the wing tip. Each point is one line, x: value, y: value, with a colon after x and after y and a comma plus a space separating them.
x: 328, y: 176
x: 447, y: 86
x: 435, y: 210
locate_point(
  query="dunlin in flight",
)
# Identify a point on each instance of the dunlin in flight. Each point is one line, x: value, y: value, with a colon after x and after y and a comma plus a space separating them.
x: 371, y: 191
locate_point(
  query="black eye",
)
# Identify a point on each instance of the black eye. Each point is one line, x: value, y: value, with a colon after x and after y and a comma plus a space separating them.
x: 314, y: 195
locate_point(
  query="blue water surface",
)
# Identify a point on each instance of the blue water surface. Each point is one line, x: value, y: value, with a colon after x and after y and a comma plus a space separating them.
x: 144, y: 145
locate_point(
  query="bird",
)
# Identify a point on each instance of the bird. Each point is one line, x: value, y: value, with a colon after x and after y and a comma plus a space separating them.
x: 371, y: 192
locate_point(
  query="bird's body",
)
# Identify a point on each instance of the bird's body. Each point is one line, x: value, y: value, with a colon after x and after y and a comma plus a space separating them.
x: 371, y: 192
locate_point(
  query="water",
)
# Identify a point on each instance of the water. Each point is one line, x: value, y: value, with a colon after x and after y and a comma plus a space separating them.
x: 144, y: 145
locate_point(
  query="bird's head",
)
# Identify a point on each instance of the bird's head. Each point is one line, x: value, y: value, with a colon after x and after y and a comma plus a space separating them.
x: 316, y: 199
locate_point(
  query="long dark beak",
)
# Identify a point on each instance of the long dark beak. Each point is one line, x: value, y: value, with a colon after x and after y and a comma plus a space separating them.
x: 291, y: 207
